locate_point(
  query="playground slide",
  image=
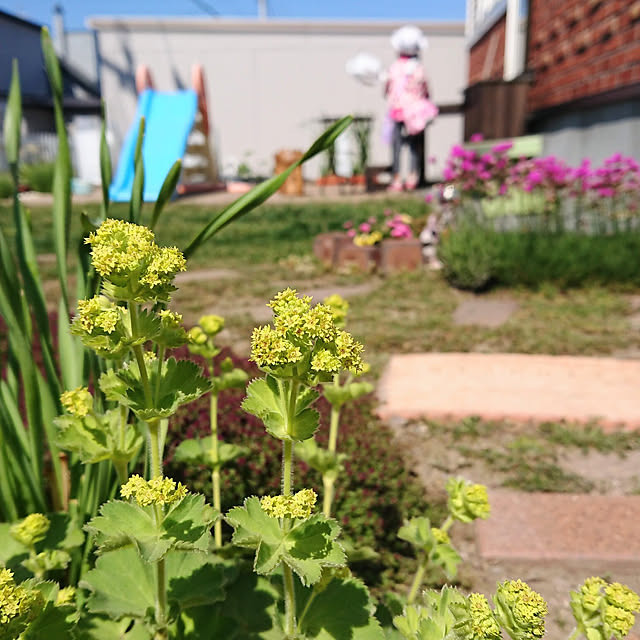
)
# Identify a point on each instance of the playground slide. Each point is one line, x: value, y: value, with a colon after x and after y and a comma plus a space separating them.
x: 169, y: 118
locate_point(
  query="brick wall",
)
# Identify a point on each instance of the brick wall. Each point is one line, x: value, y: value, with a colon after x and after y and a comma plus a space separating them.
x: 486, y: 59
x: 581, y: 48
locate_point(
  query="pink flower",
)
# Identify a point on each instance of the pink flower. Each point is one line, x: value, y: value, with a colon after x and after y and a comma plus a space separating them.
x: 476, y: 137
x: 372, y: 220
x: 503, y: 189
x: 351, y: 233
x: 365, y: 227
x: 501, y: 147
x: 348, y: 224
x: 428, y: 198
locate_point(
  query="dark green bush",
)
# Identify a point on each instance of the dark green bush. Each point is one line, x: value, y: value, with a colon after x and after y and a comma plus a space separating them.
x: 6, y: 185
x: 38, y: 177
x: 373, y: 495
x: 468, y: 257
x: 474, y: 258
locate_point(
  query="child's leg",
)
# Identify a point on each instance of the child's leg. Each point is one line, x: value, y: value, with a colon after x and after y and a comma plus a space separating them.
x: 415, y: 146
x: 396, y: 146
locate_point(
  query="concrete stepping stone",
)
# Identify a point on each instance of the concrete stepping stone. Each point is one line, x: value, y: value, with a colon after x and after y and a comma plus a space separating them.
x: 484, y: 312
x: 576, y: 530
x: 512, y: 386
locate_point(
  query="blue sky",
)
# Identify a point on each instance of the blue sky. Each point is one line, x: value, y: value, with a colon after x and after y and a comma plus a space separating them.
x: 76, y: 11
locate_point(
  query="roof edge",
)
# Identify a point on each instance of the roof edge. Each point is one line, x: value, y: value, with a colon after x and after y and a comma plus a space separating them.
x: 252, y: 25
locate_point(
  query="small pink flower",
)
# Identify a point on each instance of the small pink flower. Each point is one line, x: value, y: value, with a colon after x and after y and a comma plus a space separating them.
x: 348, y: 224
x: 351, y: 233
x: 503, y: 189
x: 501, y: 147
x: 365, y: 227
x: 428, y: 198
x: 476, y: 137
x: 372, y: 220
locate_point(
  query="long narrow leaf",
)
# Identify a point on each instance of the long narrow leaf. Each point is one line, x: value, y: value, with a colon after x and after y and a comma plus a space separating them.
x: 166, y: 192
x: 13, y: 121
x: 105, y: 167
x: 137, y: 191
x: 62, y: 170
x: 264, y: 190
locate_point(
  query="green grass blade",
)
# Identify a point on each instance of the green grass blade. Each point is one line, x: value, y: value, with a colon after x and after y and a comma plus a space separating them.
x: 105, y: 168
x: 137, y: 191
x: 264, y: 190
x: 166, y: 192
x: 13, y: 121
x: 62, y: 172
x: 70, y: 351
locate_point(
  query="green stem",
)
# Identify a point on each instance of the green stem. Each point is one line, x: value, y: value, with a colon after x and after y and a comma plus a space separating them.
x: 328, y: 483
x: 312, y: 597
x: 287, y: 481
x: 417, y: 580
x: 156, y: 395
x: 121, y: 466
x: 154, y: 447
x: 161, y: 587
x: 575, y: 634
x: 215, y: 457
x: 446, y: 525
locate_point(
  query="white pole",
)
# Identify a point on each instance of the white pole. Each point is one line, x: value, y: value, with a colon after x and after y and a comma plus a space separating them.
x: 511, y: 48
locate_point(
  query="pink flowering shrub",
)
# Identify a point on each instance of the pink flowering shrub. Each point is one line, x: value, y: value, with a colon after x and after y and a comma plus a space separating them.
x: 607, y: 195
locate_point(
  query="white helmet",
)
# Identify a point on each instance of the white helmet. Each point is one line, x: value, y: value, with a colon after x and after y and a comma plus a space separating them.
x: 408, y: 40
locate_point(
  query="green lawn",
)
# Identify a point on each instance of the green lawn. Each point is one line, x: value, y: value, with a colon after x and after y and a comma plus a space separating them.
x: 270, y: 249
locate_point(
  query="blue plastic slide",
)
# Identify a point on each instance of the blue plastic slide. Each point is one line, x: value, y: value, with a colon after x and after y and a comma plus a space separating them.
x: 169, y: 118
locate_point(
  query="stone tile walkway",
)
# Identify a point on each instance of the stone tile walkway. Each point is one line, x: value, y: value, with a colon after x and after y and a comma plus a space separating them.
x: 512, y: 386
x: 572, y: 529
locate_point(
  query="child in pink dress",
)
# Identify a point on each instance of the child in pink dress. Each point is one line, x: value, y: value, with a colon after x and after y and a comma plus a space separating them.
x: 409, y: 107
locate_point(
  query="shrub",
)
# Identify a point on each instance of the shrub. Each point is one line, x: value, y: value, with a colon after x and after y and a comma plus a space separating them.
x: 39, y: 177
x: 475, y: 257
x: 6, y: 185
x: 468, y: 257
x: 376, y: 492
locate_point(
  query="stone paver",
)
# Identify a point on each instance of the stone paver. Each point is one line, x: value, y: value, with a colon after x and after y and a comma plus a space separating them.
x: 512, y: 386
x: 484, y: 313
x: 572, y: 529
x: 198, y: 275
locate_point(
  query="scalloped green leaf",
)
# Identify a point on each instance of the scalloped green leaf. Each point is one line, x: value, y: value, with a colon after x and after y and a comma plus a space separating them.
x: 307, y: 547
x: 417, y: 531
x: 180, y: 382
x: 185, y: 526
x: 93, y: 627
x: 198, y: 451
x: 337, y: 396
x: 326, y: 462
x: 52, y: 624
x: 343, y: 610
x: 97, y: 437
x: 122, y: 584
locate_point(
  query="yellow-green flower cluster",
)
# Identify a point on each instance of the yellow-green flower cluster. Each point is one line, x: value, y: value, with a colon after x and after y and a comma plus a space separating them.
x: 521, y: 610
x: 616, y: 603
x: 306, y: 335
x: 97, y: 313
x: 78, y: 402
x: 211, y: 324
x: 467, y: 501
x: 31, y: 530
x: 440, y: 536
x: 18, y: 606
x: 158, y: 490
x: 339, y: 308
x: 126, y: 255
x: 482, y: 622
x: 299, y: 505
x: 170, y: 319
x: 66, y: 595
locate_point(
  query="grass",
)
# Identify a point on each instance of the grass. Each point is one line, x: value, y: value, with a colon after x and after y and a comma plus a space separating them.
x: 527, y: 457
x: 270, y: 248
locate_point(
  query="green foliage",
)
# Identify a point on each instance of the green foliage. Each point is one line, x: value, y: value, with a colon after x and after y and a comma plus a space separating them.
x: 6, y: 185
x: 38, y: 177
x: 475, y: 257
x: 185, y: 526
x: 430, y: 620
x: 337, y: 396
x: 266, y: 399
x: 321, y: 460
x: 307, y: 547
x: 468, y: 257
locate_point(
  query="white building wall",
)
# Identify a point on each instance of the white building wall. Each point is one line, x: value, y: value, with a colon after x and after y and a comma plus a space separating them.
x: 269, y: 82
